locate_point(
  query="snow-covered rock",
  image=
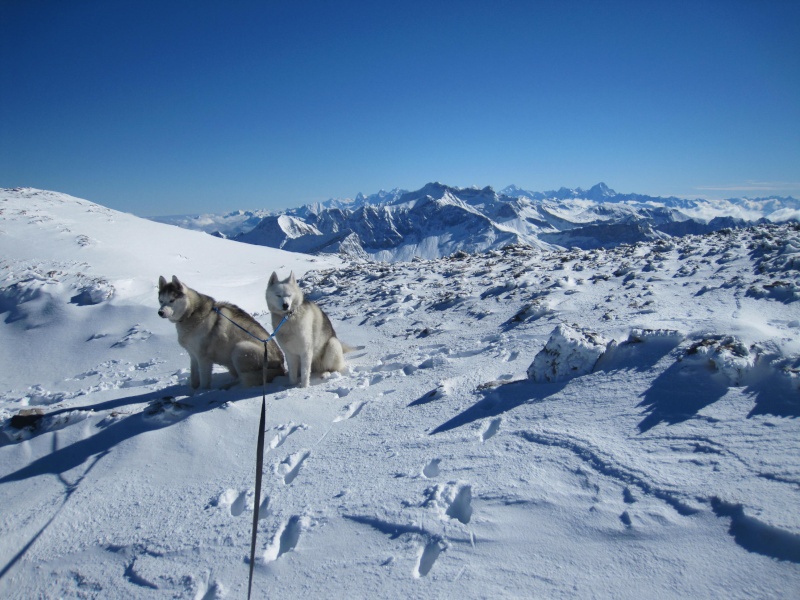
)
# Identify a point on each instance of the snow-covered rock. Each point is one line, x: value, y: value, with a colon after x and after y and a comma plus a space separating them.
x: 725, y: 354
x: 570, y: 352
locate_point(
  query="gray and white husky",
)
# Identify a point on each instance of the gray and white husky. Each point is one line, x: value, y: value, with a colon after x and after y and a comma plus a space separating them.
x: 211, y: 338
x: 307, y: 337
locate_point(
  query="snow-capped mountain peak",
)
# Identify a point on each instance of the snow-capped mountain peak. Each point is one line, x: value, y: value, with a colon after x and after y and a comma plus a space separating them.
x: 437, y: 220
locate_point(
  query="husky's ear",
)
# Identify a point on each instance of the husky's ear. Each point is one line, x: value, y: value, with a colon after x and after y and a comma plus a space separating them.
x: 161, y: 282
x: 177, y: 283
x: 292, y: 280
x: 273, y: 278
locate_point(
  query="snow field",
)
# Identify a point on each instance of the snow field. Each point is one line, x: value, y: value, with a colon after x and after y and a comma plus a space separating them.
x: 665, y: 466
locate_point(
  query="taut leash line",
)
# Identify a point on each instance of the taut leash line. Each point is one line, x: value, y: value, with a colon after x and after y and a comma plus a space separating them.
x: 259, y: 468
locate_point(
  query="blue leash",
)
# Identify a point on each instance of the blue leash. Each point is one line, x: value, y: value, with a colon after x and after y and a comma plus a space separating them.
x: 260, y: 442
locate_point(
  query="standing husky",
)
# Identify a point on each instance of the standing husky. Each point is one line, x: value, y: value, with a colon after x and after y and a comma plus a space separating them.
x: 211, y: 338
x: 307, y: 337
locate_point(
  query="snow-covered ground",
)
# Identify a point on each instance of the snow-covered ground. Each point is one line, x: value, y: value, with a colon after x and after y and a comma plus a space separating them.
x: 520, y: 424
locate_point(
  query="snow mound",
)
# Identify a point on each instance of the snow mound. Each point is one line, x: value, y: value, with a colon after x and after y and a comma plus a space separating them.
x: 746, y: 366
x: 570, y: 352
x: 726, y: 354
x: 782, y: 291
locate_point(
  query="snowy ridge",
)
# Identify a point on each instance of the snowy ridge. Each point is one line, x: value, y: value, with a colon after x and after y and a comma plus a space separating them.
x: 225, y: 225
x: 664, y: 456
x: 438, y: 220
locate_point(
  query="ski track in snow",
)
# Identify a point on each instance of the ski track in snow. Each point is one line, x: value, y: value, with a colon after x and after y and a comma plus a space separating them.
x: 437, y: 432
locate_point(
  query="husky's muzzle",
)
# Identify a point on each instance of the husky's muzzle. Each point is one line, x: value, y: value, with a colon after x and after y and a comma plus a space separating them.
x: 164, y: 312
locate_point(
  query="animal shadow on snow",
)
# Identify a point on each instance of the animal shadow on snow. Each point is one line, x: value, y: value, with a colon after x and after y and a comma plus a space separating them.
x: 61, y: 460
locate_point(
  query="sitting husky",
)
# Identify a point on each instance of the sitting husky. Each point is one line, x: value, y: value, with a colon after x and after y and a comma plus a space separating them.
x: 211, y: 338
x: 307, y: 337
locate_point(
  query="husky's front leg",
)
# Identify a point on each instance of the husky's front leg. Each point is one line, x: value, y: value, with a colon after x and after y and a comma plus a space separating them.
x: 305, y: 369
x: 194, y: 373
x: 205, y: 366
x: 293, y: 364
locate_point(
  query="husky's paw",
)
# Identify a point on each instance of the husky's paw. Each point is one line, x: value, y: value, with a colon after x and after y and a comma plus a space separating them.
x: 229, y: 385
x: 331, y: 375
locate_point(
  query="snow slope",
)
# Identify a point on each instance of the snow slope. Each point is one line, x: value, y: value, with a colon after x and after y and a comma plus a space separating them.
x: 607, y: 423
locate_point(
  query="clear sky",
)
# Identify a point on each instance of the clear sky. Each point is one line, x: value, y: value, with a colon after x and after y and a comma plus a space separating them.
x: 172, y: 107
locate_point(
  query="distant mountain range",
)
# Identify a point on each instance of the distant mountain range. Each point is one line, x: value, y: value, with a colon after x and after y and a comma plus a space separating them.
x: 438, y: 220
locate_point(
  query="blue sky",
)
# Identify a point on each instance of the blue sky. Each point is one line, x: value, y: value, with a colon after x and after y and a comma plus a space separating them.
x: 173, y: 107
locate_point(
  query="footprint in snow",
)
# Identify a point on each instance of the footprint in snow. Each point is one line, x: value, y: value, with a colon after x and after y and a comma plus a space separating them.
x: 465, y: 353
x: 135, y: 334
x: 434, y: 362
x: 284, y: 431
x: 427, y: 557
x: 491, y: 429
x: 263, y: 509
x: 452, y: 500
x: 432, y: 468
x: 625, y: 517
x: 239, y: 505
x: 460, y: 507
x: 286, y: 538
x: 209, y: 590
x: 443, y: 389
x: 341, y: 392
x: 290, y: 466
x: 352, y: 410
x: 405, y: 368
x: 236, y: 502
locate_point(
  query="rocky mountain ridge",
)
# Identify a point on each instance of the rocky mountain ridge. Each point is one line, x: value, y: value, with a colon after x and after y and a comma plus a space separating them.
x: 438, y: 219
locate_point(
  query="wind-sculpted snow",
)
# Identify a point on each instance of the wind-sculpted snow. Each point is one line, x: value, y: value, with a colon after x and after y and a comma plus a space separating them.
x: 662, y: 461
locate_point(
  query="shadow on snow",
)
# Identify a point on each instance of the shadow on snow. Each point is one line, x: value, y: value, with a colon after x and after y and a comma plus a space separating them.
x: 686, y: 387
x: 680, y: 393
x: 500, y: 399
x: 755, y: 536
x: 151, y: 418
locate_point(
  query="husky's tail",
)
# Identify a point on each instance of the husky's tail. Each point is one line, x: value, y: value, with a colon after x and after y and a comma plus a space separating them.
x: 346, y: 348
